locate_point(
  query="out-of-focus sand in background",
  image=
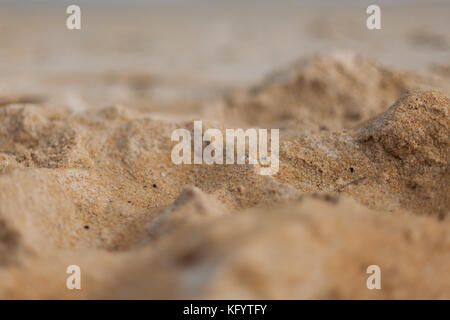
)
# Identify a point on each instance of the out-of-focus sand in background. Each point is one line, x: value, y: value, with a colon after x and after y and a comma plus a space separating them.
x: 86, y: 176
x: 186, y: 52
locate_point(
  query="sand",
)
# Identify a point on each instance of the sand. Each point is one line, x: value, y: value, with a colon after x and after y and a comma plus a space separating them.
x: 86, y: 176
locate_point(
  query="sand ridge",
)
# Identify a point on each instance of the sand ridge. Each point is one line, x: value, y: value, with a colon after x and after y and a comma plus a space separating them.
x: 98, y: 189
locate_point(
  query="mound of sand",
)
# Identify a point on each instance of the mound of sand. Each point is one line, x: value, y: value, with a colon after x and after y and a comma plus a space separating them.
x: 324, y: 92
x: 98, y: 189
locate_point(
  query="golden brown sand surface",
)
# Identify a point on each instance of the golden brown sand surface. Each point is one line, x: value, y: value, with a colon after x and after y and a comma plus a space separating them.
x: 86, y: 176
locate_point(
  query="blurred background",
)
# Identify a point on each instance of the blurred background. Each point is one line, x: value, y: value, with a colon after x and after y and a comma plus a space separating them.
x: 166, y: 56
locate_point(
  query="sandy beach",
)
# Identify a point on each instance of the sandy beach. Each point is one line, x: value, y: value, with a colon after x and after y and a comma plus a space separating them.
x: 87, y: 178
